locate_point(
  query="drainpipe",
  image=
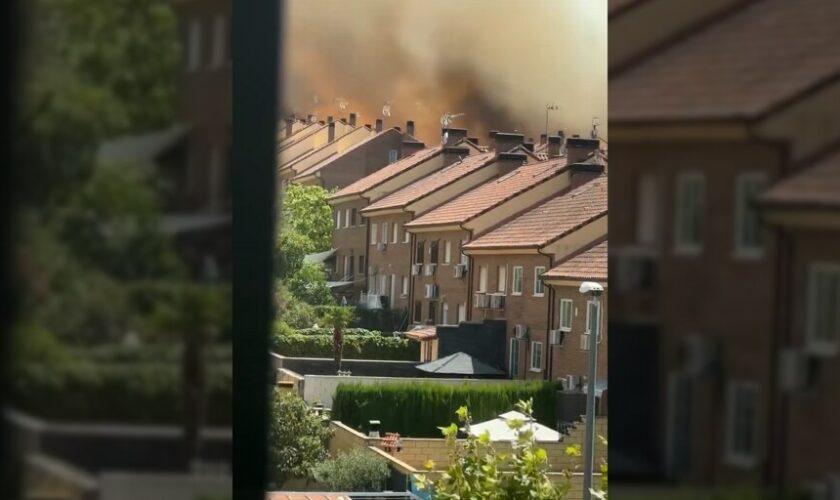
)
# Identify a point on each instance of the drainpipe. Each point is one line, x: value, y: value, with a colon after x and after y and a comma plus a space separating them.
x: 469, y: 275
x: 550, y: 364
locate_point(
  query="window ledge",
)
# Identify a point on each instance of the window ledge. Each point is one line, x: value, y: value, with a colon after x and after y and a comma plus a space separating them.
x: 516, y: 294
x: 539, y: 295
x: 535, y: 370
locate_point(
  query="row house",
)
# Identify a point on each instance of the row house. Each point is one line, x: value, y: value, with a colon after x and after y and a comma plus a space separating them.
x: 352, y: 231
x: 457, y: 222
x: 343, y: 167
x: 392, y: 260
x: 331, y: 139
x: 508, y: 264
x: 292, y: 125
x: 712, y: 296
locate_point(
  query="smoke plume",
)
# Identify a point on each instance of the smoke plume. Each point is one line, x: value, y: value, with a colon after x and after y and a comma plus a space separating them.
x: 499, y: 62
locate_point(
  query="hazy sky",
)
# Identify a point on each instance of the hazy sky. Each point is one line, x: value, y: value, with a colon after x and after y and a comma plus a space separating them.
x: 498, y: 61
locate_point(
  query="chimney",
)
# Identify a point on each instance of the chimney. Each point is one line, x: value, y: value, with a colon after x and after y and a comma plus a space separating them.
x: 330, y: 131
x: 529, y: 146
x: 542, y: 139
x: 330, y: 119
x: 555, y: 146
x: 505, y: 141
x: 577, y: 149
x: 583, y: 172
x: 379, y: 124
x: 310, y: 118
x: 453, y: 135
x: 473, y: 140
x: 409, y: 127
x: 289, y: 124
x: 508, y: 162
x: 352, y: 119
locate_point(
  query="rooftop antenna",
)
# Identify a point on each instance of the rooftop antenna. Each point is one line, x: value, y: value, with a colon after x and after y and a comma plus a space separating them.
x: 594, y: 133
x: 386, y: 108
x: 445, y: 120
x: 343, y: 103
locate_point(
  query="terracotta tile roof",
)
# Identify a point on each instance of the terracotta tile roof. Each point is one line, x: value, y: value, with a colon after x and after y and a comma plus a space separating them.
x: 387, y: 172
x: 326, y: 161
x: 490, y: 194
x: 307, y: 495
x: 817, y: 186
x: 550, y: 220
x: 590, y: 264
x: 758, y: 57
x: 431, y: 183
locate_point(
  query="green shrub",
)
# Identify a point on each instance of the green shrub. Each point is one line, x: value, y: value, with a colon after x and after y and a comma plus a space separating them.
x: 328, y: 331
x: 139, y: 392
x: 297, y: 439
x: 418, y: 409
x: 355, y: 470
x: 355, y: 347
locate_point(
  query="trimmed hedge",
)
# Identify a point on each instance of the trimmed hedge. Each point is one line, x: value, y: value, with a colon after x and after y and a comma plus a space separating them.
x: 329, y: 332
x: 418, y: 409
x: 355, y: 347
x: 140, y: 392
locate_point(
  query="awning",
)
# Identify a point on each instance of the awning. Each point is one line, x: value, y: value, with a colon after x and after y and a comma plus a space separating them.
x: 338, y: 284
x: 320, y: 257
x: 500, y: 431
x: 421, y: 333
x: 459, y: 364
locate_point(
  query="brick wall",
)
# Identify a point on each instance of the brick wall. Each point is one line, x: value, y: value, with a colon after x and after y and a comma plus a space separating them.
x: 350, y: 242
x: 394, y: 261
x: 361, y: 161
x: 452, y: 291
x: 569, y: 358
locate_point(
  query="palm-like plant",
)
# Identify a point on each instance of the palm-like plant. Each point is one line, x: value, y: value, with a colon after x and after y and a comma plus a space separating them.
x: 338, y: 318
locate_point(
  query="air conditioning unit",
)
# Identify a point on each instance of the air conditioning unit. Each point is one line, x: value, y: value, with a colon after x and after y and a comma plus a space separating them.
x: 381, y: 246
x: 698, y: 354
x: 430, y: 269
x: 795, y: 369
x: 497, y: 302
x: 572, y: 382
x: 555, y: 337
x: 460, y: 270
x: 521, y: 331
x: 584, y: 341
x: 481, y: 300
x: 416, y: 269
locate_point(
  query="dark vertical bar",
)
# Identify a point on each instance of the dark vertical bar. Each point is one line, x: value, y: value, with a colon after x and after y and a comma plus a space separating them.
x: 255, y: 76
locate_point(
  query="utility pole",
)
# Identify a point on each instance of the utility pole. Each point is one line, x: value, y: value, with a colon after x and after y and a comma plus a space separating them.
x: 594, y: 290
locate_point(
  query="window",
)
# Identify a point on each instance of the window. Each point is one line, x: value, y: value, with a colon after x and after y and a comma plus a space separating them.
x: 194, y: 46
x: 433, y: 252
x: 406, y: 236
x: 393, y: 155
x: 464, y: 258
x: 353, y: 217
x: 462, y: 312
x: 361, y: 264
x: 536, y: 356
x: 405, y: 286
x: 347, y: 222
x: 362, y: 220
x: 447, y: 252
x: 373, y: 239
x: 348, y: 266
x: 432, y: 312
x: 647, y: 210
x: 689, y: 213
x: 444, y: 320
x: 383, y: 284
x: 517, y: 280
x: 418, y: 258
x: 501, y: 278
x: 741, y: 420
x: 395, y: 230
x: 823, y: 309
x: 748, y: 234
x: 539, y: 287
x: 513, y: 360
x: 219, y: 43
x: 566, y: 315
x: 384, y: 232
x: 482, y: 279
x: 418, y: 311
x: 338, y: 219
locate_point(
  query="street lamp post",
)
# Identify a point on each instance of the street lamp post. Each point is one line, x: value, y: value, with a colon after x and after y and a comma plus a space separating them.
x: 594, y: 290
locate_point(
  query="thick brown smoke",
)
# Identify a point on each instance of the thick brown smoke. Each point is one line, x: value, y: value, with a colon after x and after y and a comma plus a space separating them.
x: 498, y: 61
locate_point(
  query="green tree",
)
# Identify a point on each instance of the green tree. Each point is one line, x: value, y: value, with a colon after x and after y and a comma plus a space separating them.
x: 297, y: 439
x: 477, y: 470
x: 306, y: 212
x: 356, y: 470
x: 338, y: 318
x: 309, y: 284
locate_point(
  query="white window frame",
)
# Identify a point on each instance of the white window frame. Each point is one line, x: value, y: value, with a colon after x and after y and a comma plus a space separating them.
x: 447, y: 252
x: 514, y: 289
x: 816, y: 345
x: 219, y: 40
x: 393, y: 156
x: 536, y: 347
x: 338, y: 218
x: 482, y: 279
x: 373, y: 234
x: 464, y: 257
x: 406, y: 236
x: 395, y: 230
x: 384, y: 236
x: 444, y: 311
x: 513, y: 358
x: 743, y: 211
x: 732, y: 456
x: 462, y: 312
x: 405, y: 286
x: 563, y: 303
x: 538, y: 271
x: 684, y: 179
x: 194, y: 36
x: 347, y: 218
x: 501, y: 279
